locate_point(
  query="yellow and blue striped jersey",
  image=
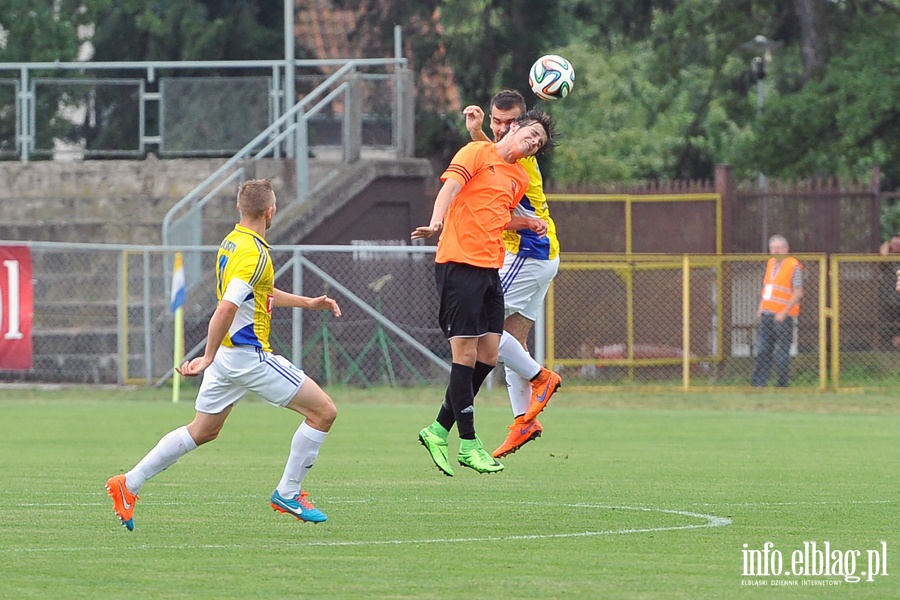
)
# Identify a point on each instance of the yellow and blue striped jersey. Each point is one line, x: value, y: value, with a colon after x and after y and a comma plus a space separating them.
x: 525, y: 242
x: 244, y: 267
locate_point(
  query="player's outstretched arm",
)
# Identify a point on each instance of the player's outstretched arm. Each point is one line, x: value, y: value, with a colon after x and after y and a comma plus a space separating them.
x: 289, y: 300
x: 445, y: 197
x: 218, y: 328
x: 474, y: 120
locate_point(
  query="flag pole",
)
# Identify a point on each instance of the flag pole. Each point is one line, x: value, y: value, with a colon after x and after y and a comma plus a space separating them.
x: 178, y: 354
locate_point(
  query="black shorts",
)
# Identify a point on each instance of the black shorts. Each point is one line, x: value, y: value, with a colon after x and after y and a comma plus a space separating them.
x: 471, y: 300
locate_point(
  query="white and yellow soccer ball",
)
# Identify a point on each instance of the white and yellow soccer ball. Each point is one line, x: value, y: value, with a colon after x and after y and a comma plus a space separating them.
x: 551, y: 77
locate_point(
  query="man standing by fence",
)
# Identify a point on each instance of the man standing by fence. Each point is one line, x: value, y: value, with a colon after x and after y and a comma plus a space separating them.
x: 779, y: 306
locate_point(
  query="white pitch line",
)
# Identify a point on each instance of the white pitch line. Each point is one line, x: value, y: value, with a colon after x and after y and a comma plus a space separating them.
x: 803, y: 503
x: 236, y: 500
x: 711, y: 521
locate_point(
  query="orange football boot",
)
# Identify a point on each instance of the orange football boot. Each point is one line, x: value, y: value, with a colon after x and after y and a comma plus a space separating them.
x: 123, y: 500
x: 520, y: 433
x: 542, y: 388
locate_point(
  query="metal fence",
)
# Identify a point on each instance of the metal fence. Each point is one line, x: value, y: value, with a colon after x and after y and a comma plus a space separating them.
x: 101, y: 315
x: 179, y: 109
x: 690, y: 322
x: 817, y: 215
x: 671, y: 320
x: 343, y: 93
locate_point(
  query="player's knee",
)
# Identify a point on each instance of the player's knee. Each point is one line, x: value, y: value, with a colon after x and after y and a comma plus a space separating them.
x: 321, y: 413
x: 488, y: 357
x: 204, y: 435
x: 467, y: 356
x: 328, y: 412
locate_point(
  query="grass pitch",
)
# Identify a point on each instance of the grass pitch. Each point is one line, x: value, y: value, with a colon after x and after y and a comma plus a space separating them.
x: 630, y: 496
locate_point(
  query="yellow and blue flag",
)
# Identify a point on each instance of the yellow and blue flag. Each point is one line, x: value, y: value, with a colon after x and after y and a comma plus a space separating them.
x: 179, y: 292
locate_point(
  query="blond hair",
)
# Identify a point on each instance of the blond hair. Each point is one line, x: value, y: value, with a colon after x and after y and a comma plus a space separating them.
x: 255, y: 196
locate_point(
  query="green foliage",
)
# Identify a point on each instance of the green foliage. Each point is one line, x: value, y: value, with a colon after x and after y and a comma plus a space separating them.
x: 890, y: 219
x: 844, y: 123
x: 438, y: 137
x: 36, y: 32
x: 494, y: 43
x: 491, y: 46
x: 170, y: 30
x: 186, y: 30
x: 664, y: 88
x: 619, y: 124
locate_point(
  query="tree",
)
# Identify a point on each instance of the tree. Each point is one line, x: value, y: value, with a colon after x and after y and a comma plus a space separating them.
x: 829, y: 99
x: 846, y: 120
x: 491, y: 43
x: 173, y: 30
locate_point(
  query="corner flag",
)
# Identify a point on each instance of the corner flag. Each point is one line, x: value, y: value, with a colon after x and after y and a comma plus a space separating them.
x: 179, y: 294
x: 178, y: 290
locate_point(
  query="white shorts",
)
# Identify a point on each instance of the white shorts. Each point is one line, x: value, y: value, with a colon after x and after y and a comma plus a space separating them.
x: 242, y: 369
x: 525, y: 283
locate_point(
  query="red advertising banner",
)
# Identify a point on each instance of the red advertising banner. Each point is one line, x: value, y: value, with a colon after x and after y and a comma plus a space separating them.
x: 16, y: 308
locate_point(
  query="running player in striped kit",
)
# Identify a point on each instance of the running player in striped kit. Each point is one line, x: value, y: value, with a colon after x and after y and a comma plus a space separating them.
x: 238, y: 359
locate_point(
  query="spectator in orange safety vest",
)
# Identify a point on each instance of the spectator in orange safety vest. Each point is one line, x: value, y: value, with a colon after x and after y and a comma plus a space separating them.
x: 779, y: 305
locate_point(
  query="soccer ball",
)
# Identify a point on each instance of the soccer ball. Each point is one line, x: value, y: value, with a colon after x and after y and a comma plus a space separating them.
x: 551, y: 77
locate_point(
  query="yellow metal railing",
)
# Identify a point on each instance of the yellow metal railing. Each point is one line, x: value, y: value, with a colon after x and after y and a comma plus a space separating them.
x: 853, y: 294
x: 624, y: 267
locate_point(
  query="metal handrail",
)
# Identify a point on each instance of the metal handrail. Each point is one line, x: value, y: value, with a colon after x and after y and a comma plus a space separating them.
x: 26, y: 73
x: 288, y: 120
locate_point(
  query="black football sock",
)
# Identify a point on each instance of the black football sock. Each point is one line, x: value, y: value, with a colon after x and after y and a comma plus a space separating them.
x: 462, y: 399
x: 482, y: 370
x: 445, y: 417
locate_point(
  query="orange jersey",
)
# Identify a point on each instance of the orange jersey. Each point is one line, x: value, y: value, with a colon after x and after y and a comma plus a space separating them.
x: 473, y: 225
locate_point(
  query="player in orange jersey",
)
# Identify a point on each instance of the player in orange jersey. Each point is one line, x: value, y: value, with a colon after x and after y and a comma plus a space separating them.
x: 482, y: 185
x: 530, y: 264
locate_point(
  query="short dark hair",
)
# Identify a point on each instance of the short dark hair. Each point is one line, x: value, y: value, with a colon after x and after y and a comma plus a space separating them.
x: 544, y: 120
x: 508, y: 100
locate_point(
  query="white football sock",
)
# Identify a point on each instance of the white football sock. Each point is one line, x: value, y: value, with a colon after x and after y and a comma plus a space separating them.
x: 516, y: 357
x: 304, y: 450
x: 519, y: 392
x: 166, y: 453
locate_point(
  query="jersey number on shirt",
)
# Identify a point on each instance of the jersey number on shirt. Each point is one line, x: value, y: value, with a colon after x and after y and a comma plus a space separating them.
x: 223, y: 260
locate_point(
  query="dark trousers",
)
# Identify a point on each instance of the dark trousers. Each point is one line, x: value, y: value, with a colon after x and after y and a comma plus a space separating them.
x: 773, y: 348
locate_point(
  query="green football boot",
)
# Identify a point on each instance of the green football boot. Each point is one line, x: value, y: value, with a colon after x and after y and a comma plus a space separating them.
x: 434, y: 438
x: 473, y: 455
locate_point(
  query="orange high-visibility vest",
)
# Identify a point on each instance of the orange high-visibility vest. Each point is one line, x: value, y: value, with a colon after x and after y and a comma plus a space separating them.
x: 777, y: 291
